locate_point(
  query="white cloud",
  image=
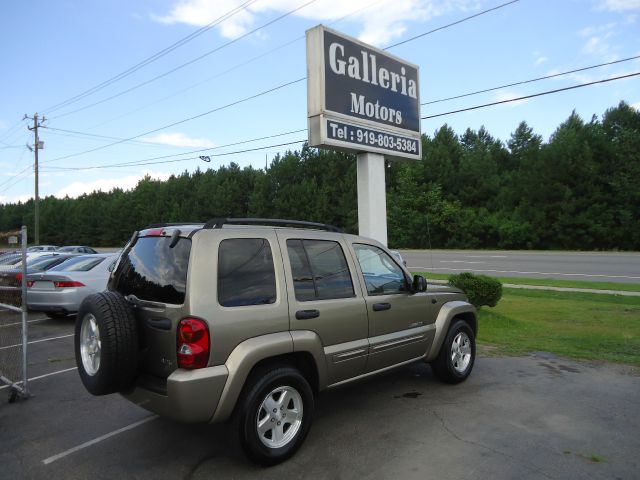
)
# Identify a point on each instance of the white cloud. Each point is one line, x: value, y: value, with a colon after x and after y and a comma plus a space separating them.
x: 380, y: 20
x: 591, y: 31
x: 619, y: 5
x: 179, y: 140
x: 16, y: 199
x: 503, y: 95
x: 636, y: 106
x: 540, y: 59
x: 596, y: 46
x: 106, y: 184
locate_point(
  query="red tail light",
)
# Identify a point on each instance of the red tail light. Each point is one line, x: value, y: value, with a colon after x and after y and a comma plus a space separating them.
x: 18, y: 277
x: 68, y: 284
x: 30, y: 283
x: 193, y: 343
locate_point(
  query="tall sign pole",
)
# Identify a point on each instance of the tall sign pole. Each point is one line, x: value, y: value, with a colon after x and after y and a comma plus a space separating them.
x: 36, y: 146
x: 361, y: 99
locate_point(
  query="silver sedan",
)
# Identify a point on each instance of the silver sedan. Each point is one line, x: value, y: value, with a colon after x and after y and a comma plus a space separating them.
x: 59, y: 291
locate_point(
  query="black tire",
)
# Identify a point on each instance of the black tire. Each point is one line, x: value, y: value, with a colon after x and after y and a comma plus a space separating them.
x: 56, y: 315
x: 259, y: 387
x: 115, y: 368
x: 450, y: 366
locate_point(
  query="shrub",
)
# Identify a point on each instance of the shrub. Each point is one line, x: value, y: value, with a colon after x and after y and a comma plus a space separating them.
x: 481, y: 289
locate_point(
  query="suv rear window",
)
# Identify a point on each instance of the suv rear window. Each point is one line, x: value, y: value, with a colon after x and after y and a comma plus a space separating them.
x: 246, y: 274
x: 153, y: 271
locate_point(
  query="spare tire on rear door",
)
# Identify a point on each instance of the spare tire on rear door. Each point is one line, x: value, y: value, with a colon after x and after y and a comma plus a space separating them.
x: 106, y: 343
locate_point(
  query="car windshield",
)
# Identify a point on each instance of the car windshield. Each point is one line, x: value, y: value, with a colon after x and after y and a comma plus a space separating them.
x: 67, y: 249
x: 78, y: 264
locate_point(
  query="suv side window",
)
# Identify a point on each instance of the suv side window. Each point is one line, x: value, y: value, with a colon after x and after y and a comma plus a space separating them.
x: 246, y: 275
x: 382, y: 275
x: 319, y: 269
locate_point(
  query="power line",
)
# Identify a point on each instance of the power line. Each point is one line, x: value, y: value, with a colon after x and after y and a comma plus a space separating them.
x: 235, y: 67
x: 153, y: 57
x: 16, y: 177
x: 191, y: 152
x: 11, y: 131
x: 264, y: 92
x: 258, y: 94
x: 179, y: 67
x: 532, y: 96
x: 451, y: 24
x: 530, y: 81
x: 95, y: 136
x: 236, y: 152
x: 425, y: 103
x: 152, y: 162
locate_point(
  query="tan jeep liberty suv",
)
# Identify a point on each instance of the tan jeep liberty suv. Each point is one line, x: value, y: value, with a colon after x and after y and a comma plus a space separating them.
x: 248, y: 319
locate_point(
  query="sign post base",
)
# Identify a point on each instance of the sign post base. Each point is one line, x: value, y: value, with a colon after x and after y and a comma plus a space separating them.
x: 372, y: 198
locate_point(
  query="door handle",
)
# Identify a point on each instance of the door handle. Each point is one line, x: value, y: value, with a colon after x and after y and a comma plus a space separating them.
x: 377, y: 307
x: 307, y: 314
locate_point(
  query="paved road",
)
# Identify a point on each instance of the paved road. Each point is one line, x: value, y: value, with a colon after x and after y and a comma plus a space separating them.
x: 534, y: 417
x: 604, y: 267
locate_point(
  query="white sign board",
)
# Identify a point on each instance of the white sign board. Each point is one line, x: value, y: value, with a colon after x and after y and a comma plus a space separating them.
x: 13, y: 240
x: 360, y: 98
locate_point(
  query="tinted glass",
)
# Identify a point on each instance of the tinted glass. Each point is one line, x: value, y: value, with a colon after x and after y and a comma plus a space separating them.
x: 153, y: 271
x: 319, y: 270
x: 78, y: 264
x: 10, y: 260
x: 302, y: 279
x: 246, y: 274
x: 381, y: 274
x: 45, y: 263
x: 40, y: 261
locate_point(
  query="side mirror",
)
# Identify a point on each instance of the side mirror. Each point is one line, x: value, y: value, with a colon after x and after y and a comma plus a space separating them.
x: 419, y: 283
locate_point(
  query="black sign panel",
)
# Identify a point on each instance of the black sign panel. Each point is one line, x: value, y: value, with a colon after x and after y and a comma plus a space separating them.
x: 363, y: 83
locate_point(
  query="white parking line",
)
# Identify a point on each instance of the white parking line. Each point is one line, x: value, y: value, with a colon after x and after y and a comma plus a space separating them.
x: 457, y: 261
x: 43, y: 376
x: 38, y: 341
x: 28, y: 321
x: 52, y: 459
x: 526, y: 273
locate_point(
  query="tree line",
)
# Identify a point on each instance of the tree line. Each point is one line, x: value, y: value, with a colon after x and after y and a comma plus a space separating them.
x: 580, y: 190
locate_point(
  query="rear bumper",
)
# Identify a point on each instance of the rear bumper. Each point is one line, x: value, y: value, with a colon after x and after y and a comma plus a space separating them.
x: 191, y: 395
x: 63, y: 300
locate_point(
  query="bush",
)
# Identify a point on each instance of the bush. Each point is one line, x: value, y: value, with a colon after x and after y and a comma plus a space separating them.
x: 480, y: 289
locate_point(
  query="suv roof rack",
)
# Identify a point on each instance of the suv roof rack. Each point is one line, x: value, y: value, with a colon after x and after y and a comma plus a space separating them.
x: 179, y: 224
x: 272, y: 222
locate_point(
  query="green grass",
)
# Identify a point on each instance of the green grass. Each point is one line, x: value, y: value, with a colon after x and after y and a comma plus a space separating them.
x: 577, y: 325
x: 550, y: 282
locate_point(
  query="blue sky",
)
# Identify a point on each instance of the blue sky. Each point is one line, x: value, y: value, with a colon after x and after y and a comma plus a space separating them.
x: 54, y: 51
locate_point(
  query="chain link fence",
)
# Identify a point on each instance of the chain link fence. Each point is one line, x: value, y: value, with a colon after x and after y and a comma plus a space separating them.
x: 13, y: 314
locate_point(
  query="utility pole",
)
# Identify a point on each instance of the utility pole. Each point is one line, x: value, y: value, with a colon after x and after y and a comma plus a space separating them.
x: 38, y: 145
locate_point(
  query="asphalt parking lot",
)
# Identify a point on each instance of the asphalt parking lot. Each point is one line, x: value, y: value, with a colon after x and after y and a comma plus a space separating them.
x: 527, y: 418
